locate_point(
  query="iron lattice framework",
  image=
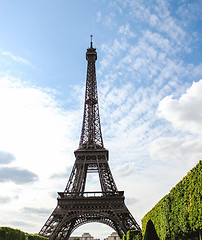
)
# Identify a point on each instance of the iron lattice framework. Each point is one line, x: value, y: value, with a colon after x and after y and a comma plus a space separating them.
x: 75, y: 206
x: 91, y: 136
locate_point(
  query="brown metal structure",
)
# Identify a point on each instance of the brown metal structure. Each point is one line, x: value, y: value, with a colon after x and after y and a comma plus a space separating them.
x: 75, y: 206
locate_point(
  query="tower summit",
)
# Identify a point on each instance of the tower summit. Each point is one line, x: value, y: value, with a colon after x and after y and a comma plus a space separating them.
x: 76, y: 206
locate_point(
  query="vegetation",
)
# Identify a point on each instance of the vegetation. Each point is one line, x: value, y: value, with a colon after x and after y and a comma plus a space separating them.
x: 7, y: 233
x: 35, y: 237
x: 133, y: 235
x: 178, y: 215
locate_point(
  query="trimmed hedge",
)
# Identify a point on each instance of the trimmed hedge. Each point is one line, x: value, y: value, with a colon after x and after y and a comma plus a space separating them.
x: 2, y: 234
x: 178, y: 215
x: 133, y: 235
x: 7, y: 233
x: 11, y: 234
x: 35, y: 237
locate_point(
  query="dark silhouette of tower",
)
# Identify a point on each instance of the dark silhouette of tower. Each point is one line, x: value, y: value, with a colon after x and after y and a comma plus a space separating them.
x: 75, y: 206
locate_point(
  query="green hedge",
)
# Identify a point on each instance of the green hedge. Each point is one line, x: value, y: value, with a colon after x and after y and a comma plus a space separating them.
x: 7, y: 233
x: 133, y: 235
x: 178, y: 215
x: 35, y: 237
x: 2, y: 234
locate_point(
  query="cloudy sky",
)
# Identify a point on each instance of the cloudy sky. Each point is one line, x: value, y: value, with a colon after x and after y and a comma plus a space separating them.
x: 149, y: 73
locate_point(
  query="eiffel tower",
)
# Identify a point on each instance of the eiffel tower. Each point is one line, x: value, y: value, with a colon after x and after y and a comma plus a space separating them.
x: 76, y: 207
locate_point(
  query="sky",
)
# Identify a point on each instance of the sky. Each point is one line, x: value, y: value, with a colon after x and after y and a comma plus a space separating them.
x: 149, y: 73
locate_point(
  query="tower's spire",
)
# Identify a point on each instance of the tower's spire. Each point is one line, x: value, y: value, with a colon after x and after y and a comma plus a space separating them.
x: 91, y: 135
x: 91, y: 43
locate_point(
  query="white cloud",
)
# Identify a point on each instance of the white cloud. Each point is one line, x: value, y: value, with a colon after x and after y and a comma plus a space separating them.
x: 41, y: 135
x: 176, y: 150
x: 158, y: 41
x: 125, y: 169
x: 183, y: 146
x: 151, y: 58
x: 125, y: 30
x: 31, y: 119
x: 157, y: 15
x: 112, y: 50
x: 184, y: 113
x: 153, y: 20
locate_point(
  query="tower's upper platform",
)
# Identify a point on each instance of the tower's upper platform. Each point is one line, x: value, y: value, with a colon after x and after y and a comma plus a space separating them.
x: 91, y: 54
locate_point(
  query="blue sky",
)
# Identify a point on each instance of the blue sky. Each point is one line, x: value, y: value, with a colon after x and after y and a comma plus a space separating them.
x: 149, y: 82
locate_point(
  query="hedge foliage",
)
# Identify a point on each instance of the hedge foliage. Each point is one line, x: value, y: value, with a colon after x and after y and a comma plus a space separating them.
x: 7, y: 233
x: 178, y: 215
x: 133, y: 235
x: 35, y: 237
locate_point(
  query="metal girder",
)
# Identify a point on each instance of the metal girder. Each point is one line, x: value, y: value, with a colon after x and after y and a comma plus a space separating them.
x: 95, y: 161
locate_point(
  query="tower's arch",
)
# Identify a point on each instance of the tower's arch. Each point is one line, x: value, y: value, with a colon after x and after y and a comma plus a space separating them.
x: 97, y: 230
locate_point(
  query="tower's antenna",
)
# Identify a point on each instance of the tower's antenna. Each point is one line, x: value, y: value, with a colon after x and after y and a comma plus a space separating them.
x: 91, y: 43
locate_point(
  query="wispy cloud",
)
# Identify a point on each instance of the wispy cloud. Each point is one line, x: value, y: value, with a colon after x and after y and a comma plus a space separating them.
x: 38, y: 211
x: 63, y: 174
x: 99, y: 16
x: 111, y: 51
x: 157, y: 15
x: 16, y: 58
x: 190, y: 11
x: 109, y: 20
x: 125, y: 30
x: 186, y: 150
x: 19, y: 223
x: 5, y: 199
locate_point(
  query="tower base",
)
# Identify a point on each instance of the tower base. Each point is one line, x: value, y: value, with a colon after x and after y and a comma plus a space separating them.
x: 76, y: 209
